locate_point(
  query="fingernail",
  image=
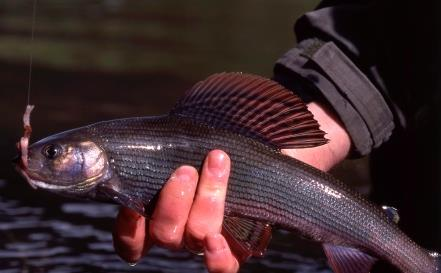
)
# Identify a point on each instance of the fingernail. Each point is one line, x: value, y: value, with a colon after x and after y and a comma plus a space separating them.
x: 214, y: 242
x: 181, y: 175
x: 217, y: 164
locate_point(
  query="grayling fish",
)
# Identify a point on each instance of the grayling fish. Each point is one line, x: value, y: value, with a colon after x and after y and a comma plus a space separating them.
x: 251, y: 118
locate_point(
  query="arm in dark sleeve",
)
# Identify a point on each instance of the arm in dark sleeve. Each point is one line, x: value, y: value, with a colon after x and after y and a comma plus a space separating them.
x: 334, y: 61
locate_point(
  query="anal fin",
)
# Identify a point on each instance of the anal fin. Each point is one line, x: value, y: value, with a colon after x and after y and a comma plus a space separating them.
x: 246, y: 237
x: 348, y: 260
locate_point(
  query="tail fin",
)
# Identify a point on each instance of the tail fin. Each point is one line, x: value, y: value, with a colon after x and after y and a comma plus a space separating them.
x: 437, y: 258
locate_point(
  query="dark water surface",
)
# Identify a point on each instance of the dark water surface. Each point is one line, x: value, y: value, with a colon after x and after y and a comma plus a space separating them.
x: 98, y: 60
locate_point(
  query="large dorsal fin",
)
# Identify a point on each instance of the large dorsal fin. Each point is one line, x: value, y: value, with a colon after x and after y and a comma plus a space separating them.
x: 253, y: 106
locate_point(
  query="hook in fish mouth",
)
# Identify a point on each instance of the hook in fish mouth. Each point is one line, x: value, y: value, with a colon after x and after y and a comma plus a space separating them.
x: 21, y: 170
x: 21, y: 160
x: 20, y: 167
x: 17, y: 161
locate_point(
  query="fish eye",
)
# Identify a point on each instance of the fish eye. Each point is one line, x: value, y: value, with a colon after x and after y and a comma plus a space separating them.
x: 51, y: 151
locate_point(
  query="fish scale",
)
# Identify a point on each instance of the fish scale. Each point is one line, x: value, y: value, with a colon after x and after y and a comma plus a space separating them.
x: 268, y: 186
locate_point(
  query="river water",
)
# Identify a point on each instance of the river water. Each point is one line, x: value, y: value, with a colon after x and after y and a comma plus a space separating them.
x: 98, y: 60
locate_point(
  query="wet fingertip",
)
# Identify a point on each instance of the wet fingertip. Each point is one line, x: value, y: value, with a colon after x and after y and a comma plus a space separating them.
x: 130, y: 260
x: 125, y: 255
x: 130, y: 248
x: 218, y: 163
x: 127, y: 248
x: 185, y: 174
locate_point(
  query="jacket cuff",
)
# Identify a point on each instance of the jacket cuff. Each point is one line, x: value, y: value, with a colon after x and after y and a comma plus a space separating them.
x: 325, y: 71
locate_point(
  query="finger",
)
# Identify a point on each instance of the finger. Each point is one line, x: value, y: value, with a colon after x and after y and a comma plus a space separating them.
x: 129, y: 235
x: 168, y: 221
x: 207, y: 212
x: 218, y: 256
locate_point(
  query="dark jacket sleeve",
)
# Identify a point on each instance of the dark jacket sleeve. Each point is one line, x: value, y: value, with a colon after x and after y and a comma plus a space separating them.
x: 336, y: 60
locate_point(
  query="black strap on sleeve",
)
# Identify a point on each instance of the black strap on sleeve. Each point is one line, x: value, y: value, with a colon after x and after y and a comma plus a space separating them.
x: 360, y: 106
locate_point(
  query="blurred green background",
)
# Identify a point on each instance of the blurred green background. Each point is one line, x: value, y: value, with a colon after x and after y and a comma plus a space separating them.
x: 190, y: 38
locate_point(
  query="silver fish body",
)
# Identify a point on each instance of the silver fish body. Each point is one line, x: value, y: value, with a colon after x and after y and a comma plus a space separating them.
x: 264, y: 185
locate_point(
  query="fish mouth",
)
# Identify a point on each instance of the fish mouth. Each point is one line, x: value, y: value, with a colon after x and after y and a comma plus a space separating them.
x: 20, y: 167
x: 36, y: 183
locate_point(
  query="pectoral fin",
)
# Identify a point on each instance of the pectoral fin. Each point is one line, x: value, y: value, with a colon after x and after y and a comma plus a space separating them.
x: 120, y: 198
x: 348, y: 260
x: 246, y: 237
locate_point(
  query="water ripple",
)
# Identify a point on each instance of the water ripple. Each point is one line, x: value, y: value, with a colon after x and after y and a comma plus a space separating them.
x: 32, y: 253
x: 21, y: 246
x: 91, y: 210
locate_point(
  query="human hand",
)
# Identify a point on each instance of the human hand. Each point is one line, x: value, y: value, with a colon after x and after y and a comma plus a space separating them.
x: 189, y: 213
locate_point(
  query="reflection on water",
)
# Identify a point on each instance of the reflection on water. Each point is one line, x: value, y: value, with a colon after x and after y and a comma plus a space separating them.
x: 32, y: 240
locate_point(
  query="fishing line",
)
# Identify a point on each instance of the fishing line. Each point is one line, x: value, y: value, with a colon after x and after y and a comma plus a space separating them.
x: 34, y: 12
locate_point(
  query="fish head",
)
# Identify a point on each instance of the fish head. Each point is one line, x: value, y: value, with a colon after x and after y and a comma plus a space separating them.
x: 67, y: 162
